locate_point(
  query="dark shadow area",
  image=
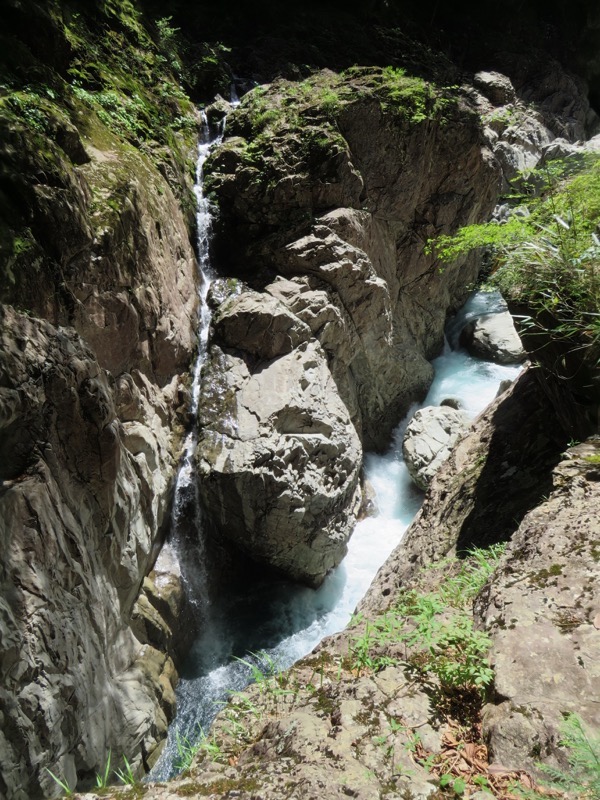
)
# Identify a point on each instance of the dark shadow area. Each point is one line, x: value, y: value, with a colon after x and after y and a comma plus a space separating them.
x: 526, y: 444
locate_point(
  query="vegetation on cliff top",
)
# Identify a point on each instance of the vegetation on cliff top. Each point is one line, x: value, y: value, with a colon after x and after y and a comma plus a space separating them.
x: 105, y: 80
x: 311, y: 108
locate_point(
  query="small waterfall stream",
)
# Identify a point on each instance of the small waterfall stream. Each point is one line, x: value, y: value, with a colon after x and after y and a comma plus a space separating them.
x: 175, y: 554
x: 282, y: 619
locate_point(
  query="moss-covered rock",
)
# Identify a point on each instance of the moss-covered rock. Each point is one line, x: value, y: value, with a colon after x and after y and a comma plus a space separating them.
x: 334, y: 184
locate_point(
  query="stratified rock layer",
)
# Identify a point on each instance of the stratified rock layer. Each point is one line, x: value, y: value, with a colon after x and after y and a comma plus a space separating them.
x: 94, y: 244
x: 83, y: 496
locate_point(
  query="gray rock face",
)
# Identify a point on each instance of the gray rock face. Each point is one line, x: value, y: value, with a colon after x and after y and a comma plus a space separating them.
x: 88, y: 431
x: 260, y: 325
x: 83, y: 496
x: 493, y: 338
x: 278, y: 456
x: 375, y: 302
x: 335, y: 345
x: 496, y: 87
x: 541, y: 610
x: 430, y: 436
x: 523, y: 121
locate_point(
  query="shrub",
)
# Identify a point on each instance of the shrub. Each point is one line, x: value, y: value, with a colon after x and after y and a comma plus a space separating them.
x: 546, y: 257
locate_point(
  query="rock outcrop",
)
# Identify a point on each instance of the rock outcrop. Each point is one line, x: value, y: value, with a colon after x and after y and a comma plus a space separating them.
x: 522, y: 124
x: 429, y: 439
x: 95, y: 250
x: 332, y: 343
x: 542, y: 611
x: 493, y: 338
x: 83, y: 498
x: 278, y: 457
x: 383, y: 155
x: 365, y: 727
x: 495, y: 474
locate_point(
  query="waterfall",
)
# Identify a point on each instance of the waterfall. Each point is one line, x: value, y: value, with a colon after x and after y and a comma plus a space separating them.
x: 185, y: 549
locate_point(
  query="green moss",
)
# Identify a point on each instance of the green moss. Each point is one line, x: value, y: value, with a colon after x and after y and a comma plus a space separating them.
x: 543, y: 576
x: 296, y: 125
x: 111, y: 90
x: 219, y: 787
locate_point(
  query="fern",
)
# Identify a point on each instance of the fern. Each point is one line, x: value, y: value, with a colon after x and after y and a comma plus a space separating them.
x: 583, y: 748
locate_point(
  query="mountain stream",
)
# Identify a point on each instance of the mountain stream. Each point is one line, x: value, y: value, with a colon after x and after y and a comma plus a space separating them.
x: 284, y: 620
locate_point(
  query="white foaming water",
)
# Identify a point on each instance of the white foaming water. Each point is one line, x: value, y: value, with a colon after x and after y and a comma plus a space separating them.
x: 185, y: 510
x: 287, y: 621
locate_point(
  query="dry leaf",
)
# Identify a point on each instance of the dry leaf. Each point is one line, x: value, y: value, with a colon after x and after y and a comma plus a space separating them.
x: 498, y: 769
x: 597, y: 621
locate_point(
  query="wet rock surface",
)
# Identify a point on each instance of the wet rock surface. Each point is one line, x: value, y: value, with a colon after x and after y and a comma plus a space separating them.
x: 493, y: 338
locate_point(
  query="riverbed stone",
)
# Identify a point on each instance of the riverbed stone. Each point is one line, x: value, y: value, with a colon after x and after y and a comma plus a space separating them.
x: 430, y: 436
x: 279, y: 464
x: 493, y: 338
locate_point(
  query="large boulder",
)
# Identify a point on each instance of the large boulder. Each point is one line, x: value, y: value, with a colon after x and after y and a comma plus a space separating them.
x: 430, y: 436
x: 278, y: 456
x: 259, y: 324
x: 493, y: 338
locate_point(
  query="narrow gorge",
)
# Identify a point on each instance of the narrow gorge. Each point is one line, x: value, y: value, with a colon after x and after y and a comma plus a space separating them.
x: 235, y: 252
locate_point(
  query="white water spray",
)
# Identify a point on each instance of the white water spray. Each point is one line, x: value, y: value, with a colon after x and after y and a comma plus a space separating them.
x: 186, y: 508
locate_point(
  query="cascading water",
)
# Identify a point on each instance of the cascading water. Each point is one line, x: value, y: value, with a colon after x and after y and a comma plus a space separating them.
x: 281, y: 619
x: 185, y: 516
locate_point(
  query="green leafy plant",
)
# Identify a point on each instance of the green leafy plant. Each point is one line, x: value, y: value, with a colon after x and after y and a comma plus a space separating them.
x: 103, y: 777
x: 546, y: 257
x: 125, y: 774
x: 447, y: 647
x: 458, y: 785
x: 583, y: 753
x: 61, y: 783
x: 436, y: 628
x: 187, y: 750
